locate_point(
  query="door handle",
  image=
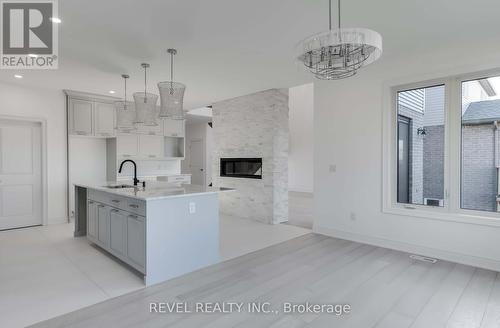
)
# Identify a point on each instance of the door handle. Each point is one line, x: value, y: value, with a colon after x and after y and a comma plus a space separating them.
x: 133, y: 205
x: 116, y: 201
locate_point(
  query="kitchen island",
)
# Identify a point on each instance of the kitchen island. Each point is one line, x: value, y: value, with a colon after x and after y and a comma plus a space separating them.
x: 162, y: 230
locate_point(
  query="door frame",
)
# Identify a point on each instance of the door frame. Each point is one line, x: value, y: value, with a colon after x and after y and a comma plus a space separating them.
x: 204, y: 165
x: 44, y: 167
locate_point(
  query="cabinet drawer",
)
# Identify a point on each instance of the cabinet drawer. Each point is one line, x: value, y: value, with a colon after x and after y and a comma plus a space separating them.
x: 108, y: 199
x: 135, y: 206
x: 180, y: 179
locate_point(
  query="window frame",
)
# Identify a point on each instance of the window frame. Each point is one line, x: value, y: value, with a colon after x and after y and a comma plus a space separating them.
x: 451, y: 211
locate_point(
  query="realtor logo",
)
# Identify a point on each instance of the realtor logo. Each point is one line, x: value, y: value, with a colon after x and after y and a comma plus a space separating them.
x: 29, y: 34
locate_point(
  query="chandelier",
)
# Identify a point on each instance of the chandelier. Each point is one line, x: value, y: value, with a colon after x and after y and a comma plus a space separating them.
x: 145, y: 104
x: 339, y: 53
x: 171, y: 94
x: 125, y: 114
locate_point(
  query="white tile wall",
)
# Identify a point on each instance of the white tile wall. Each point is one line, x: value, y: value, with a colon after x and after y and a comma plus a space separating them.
x: 254, y: 125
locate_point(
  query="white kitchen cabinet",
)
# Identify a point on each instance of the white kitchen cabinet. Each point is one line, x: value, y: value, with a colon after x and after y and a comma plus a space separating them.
x: 151, y: 146
x: 92, y: 220
x: 118, y: 232
x: 103, y: 213
x: 173, y: 128
x: 127, y: 145
x: 81, y: 117
x: 150, y: 130
x: 105, y: 118
x: 136, y: 240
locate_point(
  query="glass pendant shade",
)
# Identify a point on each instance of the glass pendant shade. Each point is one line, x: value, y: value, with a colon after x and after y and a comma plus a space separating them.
x: 172, y: 99
x: 172, y: 94
x: 125, y: 111
x: 145, y: 107
x: 339, y: 53
x: 125, y: 116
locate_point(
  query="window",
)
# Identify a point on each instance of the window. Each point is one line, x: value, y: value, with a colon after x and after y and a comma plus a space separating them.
x: 442, y: 148
x: 420, y: 146
x: 480, y: 114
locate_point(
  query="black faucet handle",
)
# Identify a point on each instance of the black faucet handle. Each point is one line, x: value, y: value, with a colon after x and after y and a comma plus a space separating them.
x: 143, y: 184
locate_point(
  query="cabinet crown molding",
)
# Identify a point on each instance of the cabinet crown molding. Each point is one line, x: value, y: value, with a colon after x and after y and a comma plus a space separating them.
x: 90, y: 96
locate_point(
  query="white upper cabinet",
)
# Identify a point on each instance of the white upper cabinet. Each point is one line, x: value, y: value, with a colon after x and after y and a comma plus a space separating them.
x: 127, y: 146
x: 151, y: 146
x: 104, y: 119
x: 151, y: 130
x: 173, y: 128
x: 81, y: 117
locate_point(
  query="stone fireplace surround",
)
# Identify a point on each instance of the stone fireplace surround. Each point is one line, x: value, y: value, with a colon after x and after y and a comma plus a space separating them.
x: 254, y: 126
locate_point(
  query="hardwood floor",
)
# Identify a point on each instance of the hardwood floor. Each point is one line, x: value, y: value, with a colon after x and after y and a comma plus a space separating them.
x: 384, y: 288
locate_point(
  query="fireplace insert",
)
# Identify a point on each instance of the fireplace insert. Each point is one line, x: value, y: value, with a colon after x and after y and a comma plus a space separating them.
x: 250, y: 168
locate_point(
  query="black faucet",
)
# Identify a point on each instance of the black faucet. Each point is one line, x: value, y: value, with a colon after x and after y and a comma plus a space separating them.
x: 136, y: 181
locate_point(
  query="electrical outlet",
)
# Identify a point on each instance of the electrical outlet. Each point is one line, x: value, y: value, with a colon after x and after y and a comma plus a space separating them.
x: 353, y: 216
x: 192, y: 207
x: 333, y: 168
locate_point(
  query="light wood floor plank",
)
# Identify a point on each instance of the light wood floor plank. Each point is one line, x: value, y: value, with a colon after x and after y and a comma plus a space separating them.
x: 442, y: 304
x: 470, y: 309
x: 385, y: 288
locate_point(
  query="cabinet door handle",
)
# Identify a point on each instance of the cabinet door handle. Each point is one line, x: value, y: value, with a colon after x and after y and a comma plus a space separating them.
x: 152, y: 156
x: 133, y: 216
x: 116, y: 201
x: 114, y: 211
x: 81, y: 132
x: 133, y: 205
x: 126, y: 155
x: 100, y: 205
x: 90, y: 202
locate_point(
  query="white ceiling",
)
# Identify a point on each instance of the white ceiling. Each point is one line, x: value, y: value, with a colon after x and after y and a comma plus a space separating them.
x: 229, y: 48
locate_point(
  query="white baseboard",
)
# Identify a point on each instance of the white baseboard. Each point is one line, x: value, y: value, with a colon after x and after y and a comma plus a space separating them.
x: 476, y: 261
x: 58, y: 220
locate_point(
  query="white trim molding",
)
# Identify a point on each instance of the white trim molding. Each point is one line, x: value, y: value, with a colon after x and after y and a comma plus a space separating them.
x: 476, y: 261
x: 451, y: 211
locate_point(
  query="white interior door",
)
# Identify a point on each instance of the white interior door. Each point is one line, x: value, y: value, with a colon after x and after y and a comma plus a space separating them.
x: 196, y: 162
x: 20, y: 174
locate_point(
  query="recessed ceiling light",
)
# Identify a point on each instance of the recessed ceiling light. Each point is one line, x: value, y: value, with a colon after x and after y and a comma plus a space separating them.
x: 55, y: 20
x: 33, y: 55
x: 112, y: 91
x: 17, y: 76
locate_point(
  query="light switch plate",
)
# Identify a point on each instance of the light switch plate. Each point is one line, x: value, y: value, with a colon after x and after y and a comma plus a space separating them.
x: 192, y: 207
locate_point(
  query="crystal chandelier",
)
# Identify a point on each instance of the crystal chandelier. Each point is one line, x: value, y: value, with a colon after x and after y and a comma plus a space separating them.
x: 145, y: 104
x: 340, y: 53
x: 125, y: 114
x: 171, y: 94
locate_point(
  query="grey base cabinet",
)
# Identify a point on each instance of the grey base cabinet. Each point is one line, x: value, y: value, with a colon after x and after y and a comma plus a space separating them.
x: 136, y: 243
x: 118, y: 231
x: 162, y: 238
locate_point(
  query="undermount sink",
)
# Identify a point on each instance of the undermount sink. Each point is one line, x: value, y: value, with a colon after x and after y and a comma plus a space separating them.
x: 122, y: 186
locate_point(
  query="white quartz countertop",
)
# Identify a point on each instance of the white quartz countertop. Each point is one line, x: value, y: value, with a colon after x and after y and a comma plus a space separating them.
x: 154, y: 190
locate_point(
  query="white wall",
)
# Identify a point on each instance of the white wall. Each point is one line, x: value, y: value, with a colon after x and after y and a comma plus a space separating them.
x: 348, y: 134
x: 301, y: 150
x: 16, y: 100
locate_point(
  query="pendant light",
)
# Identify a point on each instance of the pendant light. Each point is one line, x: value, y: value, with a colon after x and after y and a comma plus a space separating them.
x: 172, y: 94
x: 125, y: 112
x: 145, y: 103
x: 339, y: 53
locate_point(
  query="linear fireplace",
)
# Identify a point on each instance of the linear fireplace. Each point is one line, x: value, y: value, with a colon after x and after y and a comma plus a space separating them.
x: 250, y: 168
